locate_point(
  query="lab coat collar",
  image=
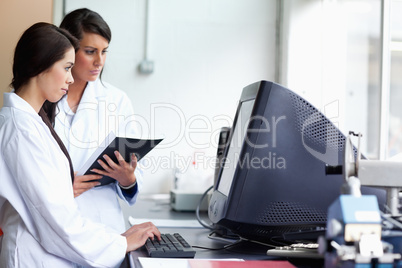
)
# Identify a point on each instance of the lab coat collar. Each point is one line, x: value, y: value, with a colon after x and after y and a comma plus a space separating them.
x: 14, y: 101
x: 93, y: 92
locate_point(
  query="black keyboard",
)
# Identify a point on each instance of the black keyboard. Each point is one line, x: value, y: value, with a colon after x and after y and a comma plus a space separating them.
x: 171, y: 246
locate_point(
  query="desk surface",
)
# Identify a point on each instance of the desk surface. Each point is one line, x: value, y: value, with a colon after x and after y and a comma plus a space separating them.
x: 197, y: 237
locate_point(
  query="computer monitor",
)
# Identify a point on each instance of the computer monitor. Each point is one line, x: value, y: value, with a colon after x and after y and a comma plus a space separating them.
x: 273, y: 183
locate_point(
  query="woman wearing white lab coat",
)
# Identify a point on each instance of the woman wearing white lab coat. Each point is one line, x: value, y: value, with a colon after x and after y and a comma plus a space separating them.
x: 38, y: 214
x: 101, y: 108
x: 86, y: 116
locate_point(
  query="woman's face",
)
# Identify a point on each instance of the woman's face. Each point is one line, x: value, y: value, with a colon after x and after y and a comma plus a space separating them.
x: 90, y: 57
x: 53, y: 83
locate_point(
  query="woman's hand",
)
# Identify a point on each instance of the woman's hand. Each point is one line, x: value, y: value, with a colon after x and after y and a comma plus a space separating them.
x: 123, y: 172
x: 138, y: 234
x: 84, y: 183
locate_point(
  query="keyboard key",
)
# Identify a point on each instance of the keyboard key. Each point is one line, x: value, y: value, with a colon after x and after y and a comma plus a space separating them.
x: 171, y: 246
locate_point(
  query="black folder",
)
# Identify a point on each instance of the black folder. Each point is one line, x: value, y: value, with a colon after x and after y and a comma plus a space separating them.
x: 125, y: 146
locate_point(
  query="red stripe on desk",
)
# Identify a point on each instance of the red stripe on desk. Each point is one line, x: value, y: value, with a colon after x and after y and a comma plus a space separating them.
x: 199, y: 263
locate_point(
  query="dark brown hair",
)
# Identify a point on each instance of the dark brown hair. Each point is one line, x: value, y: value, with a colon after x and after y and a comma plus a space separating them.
x: 85, y: 20
x: 39, y: 47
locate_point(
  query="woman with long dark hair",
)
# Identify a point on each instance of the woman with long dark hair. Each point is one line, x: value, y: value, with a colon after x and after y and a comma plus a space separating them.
x: 40, y: 219
x: 88, y: 113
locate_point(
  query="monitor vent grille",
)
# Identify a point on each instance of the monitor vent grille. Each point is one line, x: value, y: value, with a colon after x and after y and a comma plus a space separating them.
x: 314, y: 126
x: 291, y: 213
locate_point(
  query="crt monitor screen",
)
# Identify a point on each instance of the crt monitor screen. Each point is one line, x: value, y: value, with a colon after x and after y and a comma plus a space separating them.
x: 239, y: 133
x: 272, y: 182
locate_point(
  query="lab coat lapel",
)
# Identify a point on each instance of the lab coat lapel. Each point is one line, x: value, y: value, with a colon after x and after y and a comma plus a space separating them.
x: 88, y: 125
x: 85, y: 120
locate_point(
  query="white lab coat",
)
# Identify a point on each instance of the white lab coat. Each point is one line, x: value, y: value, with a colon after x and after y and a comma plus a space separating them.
x: 103, y: 108
x: 38, y: 213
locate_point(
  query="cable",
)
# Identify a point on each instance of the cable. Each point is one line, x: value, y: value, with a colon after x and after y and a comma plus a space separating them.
x: 235, y: 243
x: 219, y: 237
x: 221, y: 248
x: 208, y: 248
x: 260, y: 243
x: 206, y: 225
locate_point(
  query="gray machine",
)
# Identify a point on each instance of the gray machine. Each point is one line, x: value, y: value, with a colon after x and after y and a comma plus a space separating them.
x: 355, y: 235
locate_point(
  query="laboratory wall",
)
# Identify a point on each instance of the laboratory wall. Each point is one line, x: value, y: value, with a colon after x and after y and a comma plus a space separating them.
x: 315, y: 54
x: 330, y: 56
x: 203, y: 54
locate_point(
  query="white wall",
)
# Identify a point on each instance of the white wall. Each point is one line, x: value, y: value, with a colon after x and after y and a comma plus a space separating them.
x: 204, y: 53
x: 326, y: 53
x: 315, y: 54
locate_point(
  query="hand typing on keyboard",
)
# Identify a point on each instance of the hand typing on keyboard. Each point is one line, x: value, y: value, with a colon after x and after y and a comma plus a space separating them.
x: 170, y: 246
x: 138, y: 234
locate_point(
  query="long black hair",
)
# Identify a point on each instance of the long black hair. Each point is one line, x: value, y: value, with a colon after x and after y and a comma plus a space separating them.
x: 39, y: 47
